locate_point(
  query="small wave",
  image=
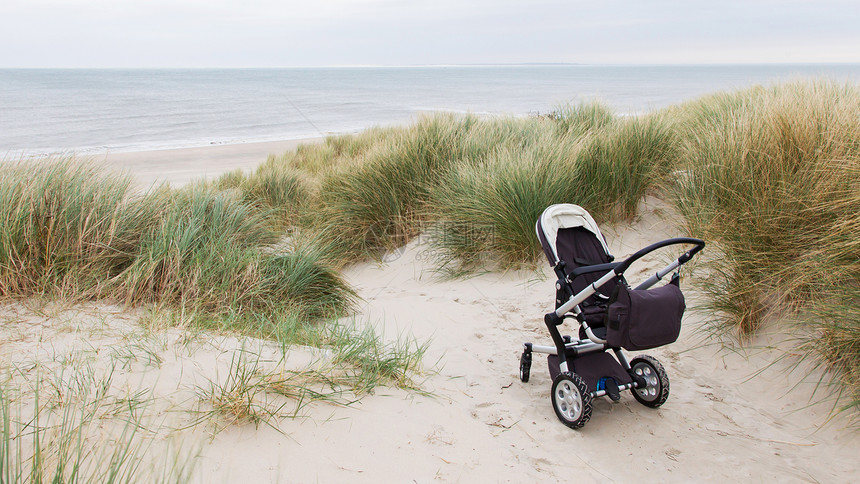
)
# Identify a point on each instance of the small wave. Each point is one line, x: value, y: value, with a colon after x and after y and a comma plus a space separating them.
x: 117, y: 110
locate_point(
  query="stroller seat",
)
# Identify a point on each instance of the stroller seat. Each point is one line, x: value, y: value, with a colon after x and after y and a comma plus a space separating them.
x: 611, y: 316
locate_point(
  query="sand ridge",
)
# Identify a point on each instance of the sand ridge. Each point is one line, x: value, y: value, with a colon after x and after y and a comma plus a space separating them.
x: 729, y: 417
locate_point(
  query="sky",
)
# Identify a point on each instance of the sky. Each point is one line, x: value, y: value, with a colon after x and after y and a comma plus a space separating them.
x: 287, y: 33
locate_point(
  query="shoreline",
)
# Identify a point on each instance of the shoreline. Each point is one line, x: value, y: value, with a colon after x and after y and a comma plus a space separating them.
x: 179, y: 166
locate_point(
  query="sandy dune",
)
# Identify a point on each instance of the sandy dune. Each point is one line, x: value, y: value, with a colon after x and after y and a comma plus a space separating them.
x: 485, y: 425
x: 724, y: 421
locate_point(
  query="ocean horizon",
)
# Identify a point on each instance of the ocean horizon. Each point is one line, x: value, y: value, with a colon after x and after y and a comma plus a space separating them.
x: 88, y: 111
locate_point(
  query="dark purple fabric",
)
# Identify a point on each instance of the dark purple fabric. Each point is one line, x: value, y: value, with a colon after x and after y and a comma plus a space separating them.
x: 592, y: 367
x: 579, y: 247
x: 594, y: 315
x: 640, y: 320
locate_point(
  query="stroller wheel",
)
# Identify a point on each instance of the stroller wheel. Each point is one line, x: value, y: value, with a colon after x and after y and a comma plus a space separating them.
x: 525, y: 366
x: 656, y: 389
x: 571, y: 400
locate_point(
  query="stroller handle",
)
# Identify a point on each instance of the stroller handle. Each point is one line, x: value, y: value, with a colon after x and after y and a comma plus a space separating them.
x: 699, y: 245
x: 616, y: 269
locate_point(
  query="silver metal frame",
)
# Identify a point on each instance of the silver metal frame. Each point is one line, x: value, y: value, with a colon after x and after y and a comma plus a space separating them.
x: 572, y: 304
x: 564, y: 347
x: 593, y: 343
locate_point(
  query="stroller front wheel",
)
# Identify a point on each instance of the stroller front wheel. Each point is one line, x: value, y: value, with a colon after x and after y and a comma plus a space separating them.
x: 571, y: 400
x: 525, y: 366
x: 656, y: 389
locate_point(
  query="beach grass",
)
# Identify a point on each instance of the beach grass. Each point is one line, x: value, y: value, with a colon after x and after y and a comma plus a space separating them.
x: 379, y: 191
x: 66, y: 228
x: 354, y: 361
x: 770, y: 176
x: 767, y: 176
x: 76, y: 232
x: 582, y: 118
x: 618, y: 165
x: 67, y: 426
x: 276, y: 188
x: 374, y: 204
x: 489, y: 207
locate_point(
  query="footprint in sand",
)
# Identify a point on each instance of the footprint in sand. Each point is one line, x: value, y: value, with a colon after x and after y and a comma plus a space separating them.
x: 492, y: 416
x: 438, y: 436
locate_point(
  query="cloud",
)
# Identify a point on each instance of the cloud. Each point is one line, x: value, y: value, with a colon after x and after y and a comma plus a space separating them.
x: 124, y: 33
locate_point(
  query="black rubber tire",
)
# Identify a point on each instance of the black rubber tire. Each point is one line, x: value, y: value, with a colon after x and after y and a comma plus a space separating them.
x: 525, y: 366
x: 571, y: 400
x: 657, y: 390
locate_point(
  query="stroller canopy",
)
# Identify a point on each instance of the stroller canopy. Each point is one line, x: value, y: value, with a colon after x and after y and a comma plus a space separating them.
x: 563, y: 216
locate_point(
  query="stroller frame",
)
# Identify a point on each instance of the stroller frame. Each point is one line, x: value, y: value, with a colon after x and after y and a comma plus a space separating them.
x: 644, y: 376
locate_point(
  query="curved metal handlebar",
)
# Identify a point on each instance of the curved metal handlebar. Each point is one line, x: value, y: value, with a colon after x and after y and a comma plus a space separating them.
x: 616, y: 269
x: 699, y: 245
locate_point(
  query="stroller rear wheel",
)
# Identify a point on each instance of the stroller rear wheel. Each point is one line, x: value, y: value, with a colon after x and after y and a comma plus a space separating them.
x: 656, y: 389
x: 571, y: 400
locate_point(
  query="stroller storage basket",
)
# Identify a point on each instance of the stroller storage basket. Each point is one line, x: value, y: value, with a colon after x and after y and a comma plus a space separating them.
x: 591, y: 289
x: 644, y: 319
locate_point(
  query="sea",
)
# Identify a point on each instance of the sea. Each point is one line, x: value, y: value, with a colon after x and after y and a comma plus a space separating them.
x: 82, y: 111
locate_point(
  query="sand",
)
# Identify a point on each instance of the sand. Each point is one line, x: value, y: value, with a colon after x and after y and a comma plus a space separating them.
x: 182, y: 165
x: 732, y: 416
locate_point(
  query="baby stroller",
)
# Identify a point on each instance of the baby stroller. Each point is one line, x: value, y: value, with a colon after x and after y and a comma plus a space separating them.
x: 591, y: 289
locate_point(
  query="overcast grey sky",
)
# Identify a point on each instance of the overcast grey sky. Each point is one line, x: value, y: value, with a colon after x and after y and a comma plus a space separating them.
x: 276, y: 33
